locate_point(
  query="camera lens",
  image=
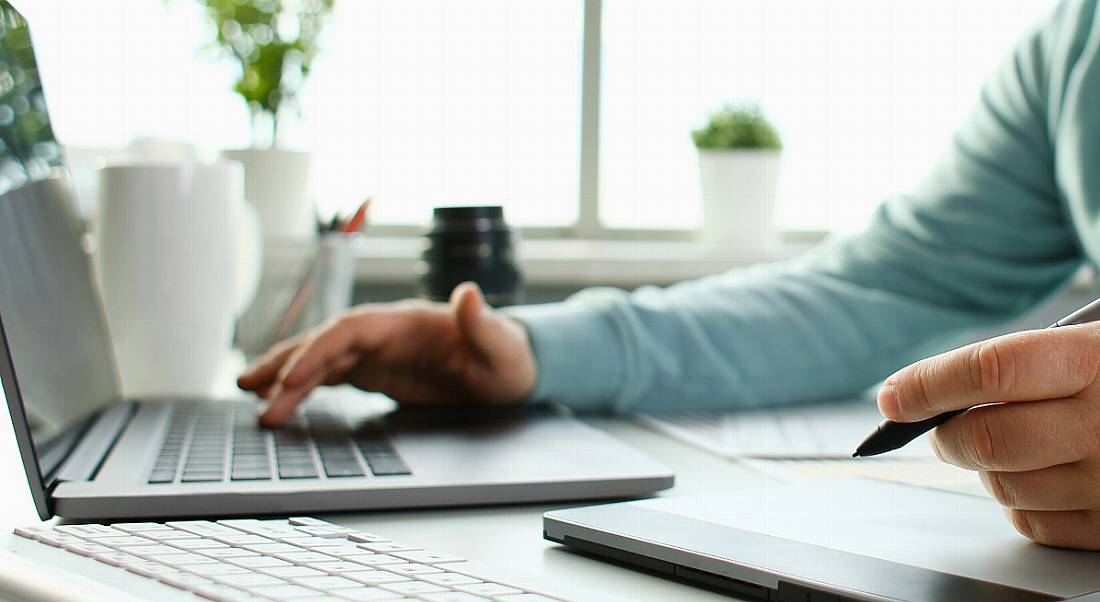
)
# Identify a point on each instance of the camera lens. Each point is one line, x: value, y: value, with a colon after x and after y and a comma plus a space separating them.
x: 470, y: 244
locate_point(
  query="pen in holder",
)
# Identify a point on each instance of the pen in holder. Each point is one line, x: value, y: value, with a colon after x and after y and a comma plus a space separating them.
x: 326, y: 286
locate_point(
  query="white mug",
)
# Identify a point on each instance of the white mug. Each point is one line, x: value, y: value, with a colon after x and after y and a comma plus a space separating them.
x: 177, y: 256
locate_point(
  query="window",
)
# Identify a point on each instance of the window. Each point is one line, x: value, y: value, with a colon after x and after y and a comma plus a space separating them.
x: 425, y: 102
x: 865, y: 94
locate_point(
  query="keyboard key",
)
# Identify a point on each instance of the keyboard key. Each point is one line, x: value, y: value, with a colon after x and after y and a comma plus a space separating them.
x: 337, y: 568
x: 183, y: 580
x: 59, y: 540
x: 90, y: 531
x: 324, y: 532
x: 202, y: 528
x: 413, y: 569
x: 374, y: 559
x: 242, y: 539
x: 363, y: 537
x: 183, y: 559
x: 146, y: 551
x: 223, y: 593
x: 282, y: 592
x: 305, y: 557
x: 150, y: 569
x: 307, y: 541
x: 117, y: 558
x: 87, y: 549
x: 448, y: 579
x: 343, y: 470
x: 138, y: 527
x: 340, y: 549
x: 215, y: 570
x: 256, y: 562
x: 424, y: 557
x: 326, y: 583
x: 226, y: 553
x: 390, y: 546
x: 488, y: 589
x: 308, y: 521
x: 525, y: 598
x: 289, y: 572
x: 375, y: 577
x: 272, y: 548
x: 412, y: 587
x: 451, y: 597
x: 29, y: 532
x: 201, y: 476
x: 297, y: 472
x: 367, y: 594
x: 169, y: 535
x: 245, y: 580
x: 125, y: 540
x: 162, y: 476
x: 196, y: 543
x: 250, y: 474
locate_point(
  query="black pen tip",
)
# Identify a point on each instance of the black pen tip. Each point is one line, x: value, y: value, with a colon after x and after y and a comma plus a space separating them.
x: 855, y: 454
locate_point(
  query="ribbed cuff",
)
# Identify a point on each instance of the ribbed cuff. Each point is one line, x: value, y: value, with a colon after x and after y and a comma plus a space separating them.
x: 578, y: 351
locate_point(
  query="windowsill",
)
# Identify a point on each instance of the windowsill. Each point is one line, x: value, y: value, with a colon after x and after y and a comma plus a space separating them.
x: 564, y: 262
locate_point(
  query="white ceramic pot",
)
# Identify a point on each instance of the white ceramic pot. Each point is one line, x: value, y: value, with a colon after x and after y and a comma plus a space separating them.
x: 278, y: 184
x: 177, y: 257
x: 739, y: 190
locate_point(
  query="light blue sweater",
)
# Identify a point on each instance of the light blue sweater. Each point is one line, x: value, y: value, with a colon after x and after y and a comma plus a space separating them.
x: 1001, y: 222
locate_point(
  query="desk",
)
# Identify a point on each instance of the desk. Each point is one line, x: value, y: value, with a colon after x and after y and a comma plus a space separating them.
x: 507, y: 538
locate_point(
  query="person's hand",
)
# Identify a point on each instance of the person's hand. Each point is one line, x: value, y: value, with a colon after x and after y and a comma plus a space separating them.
x: 413, y: 351
x: 1038, y: 447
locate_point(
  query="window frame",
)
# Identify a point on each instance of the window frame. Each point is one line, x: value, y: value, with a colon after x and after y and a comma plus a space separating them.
x: 588, y: 225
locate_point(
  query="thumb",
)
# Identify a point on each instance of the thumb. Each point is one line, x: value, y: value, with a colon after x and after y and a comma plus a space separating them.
x: 476, y: 321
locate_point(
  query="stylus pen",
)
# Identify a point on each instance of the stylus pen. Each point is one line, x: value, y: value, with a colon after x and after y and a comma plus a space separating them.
x: 892, y: 435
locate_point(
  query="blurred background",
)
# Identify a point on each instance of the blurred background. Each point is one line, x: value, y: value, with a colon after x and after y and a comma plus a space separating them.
x: 422, y: 103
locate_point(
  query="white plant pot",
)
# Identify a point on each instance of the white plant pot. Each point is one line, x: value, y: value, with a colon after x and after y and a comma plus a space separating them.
x: 738, y: 189
x: 278, y: 184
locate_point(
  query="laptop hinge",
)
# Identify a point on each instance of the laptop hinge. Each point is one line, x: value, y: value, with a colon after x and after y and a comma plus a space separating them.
x: 87, y: 456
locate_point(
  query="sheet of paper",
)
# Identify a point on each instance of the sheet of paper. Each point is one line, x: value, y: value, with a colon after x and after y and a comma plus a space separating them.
x: 806, y: 431
x: 922, y: 472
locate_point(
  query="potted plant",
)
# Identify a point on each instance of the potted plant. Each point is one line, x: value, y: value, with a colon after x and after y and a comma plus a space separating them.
x: 274, y: 42
x: 738, y: 169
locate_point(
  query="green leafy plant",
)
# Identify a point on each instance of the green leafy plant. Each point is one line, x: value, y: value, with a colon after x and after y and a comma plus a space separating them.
x: 737, y: 126
x: 275, y: 43
x: 28, y: 150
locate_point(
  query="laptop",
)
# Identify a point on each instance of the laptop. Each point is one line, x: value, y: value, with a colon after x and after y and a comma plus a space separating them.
x: 90, y: 454
x: 833, y: 540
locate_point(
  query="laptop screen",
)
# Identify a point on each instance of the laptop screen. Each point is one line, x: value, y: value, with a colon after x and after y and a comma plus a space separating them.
x: 56, y: 359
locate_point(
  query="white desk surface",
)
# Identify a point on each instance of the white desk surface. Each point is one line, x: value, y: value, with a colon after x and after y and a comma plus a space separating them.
x: 508, y: 538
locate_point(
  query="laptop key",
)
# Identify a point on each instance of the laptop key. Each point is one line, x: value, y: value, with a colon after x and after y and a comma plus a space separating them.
x: 375, y: 577
x: 448, y: 579
x: 450, y: 597
x: 326, y: 582
x: 295, y: 472
x: 282, y: 592
x: 488, y: 589
x: 428, y: 557
x: 200, y: 477
x: 257, y: 562
x: 413, y: 569
x: 289, y: 572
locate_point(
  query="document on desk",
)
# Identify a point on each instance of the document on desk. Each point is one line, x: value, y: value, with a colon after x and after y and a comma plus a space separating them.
x: 813, y: 442
x: 831, y: 430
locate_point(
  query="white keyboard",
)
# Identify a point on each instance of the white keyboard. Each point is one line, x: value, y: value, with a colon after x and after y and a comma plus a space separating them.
x: 299, y: 559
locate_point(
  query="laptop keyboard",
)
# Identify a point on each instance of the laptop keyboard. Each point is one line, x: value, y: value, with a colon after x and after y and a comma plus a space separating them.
x: 298, y: 559
x: 212, y: 441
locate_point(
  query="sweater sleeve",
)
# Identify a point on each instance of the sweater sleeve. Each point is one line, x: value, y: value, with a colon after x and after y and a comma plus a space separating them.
x: 982, y: 239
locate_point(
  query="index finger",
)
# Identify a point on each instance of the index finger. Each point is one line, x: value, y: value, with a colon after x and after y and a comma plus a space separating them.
x: 1026, y: 366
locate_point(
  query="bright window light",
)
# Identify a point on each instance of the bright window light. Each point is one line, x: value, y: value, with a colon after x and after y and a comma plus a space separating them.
x: 419, y: 102
x: 865, y: 94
